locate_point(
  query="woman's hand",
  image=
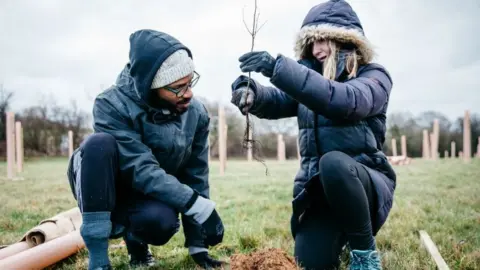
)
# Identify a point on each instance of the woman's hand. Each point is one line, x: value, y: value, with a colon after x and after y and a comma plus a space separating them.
x: 243, y: 98
x: 259, y: 62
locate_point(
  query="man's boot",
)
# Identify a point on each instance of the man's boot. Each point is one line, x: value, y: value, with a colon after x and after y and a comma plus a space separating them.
x: 138, y: 251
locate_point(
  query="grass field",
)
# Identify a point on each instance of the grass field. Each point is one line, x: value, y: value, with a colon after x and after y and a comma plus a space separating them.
x: 441, y: 197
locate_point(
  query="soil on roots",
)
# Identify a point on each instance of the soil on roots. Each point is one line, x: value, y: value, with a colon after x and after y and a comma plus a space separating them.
x: 271, y: 258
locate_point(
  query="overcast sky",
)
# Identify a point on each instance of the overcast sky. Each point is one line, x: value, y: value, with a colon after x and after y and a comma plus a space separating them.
x: 69, y: 48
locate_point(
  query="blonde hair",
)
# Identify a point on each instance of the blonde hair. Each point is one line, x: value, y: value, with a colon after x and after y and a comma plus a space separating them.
x: 330, y: 64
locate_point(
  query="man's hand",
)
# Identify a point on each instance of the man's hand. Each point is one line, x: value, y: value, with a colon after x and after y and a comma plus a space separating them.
x: 213, y: 229
x: 203, y: 211
x: 259, y: 62
x: 243, y: 98
x: 205, y: 261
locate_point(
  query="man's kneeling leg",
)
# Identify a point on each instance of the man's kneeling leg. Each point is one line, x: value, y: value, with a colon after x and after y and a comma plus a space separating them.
x: 92, y: 172
x: 150, y: 222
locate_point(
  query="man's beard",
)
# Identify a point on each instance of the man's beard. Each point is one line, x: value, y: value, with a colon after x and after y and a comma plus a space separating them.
x: 181, y: 109
x: 173, y: 107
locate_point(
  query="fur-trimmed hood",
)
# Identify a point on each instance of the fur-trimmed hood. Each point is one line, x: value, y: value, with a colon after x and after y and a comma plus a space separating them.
x: 334, y: 19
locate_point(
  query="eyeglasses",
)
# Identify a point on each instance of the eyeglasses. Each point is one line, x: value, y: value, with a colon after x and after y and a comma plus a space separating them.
x: 180, y: 91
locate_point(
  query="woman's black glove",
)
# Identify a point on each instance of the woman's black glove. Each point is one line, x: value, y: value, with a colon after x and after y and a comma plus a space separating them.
x: 303, y: 200
x: 259, y: 62
x: 243, y: 98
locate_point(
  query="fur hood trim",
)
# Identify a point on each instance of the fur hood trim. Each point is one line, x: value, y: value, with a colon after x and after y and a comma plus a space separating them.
x: 310, y: 33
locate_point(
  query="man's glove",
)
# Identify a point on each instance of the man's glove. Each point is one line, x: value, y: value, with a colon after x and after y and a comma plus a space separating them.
x: 203, y: 211
x: 243, y: 98
x: 259, y: 62
x: 204, y: 260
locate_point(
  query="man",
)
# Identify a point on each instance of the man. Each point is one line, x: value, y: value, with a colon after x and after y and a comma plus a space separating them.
x: 147, y: 161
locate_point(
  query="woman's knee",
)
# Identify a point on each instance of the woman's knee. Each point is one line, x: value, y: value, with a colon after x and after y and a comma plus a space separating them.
x: 319, y: 243
x: 336, y: 168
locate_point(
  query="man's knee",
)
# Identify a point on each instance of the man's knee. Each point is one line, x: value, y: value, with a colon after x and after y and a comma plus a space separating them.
x: 92, y: 170
x: 155, y: 224
x: 100, y: 145
x: 335, y: 168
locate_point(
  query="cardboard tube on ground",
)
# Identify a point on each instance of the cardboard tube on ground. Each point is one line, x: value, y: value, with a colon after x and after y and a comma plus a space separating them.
x: 53, y: 227
x: 48, y: 231
x: 45, y: 254
x: 13, y: 249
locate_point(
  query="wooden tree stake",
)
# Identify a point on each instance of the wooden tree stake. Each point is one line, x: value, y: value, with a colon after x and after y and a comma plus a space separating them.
x: 10, y: 134
x: 19, y: 145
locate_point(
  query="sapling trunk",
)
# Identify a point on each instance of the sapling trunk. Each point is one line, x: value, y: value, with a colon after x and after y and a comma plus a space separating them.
x: 248, y: 142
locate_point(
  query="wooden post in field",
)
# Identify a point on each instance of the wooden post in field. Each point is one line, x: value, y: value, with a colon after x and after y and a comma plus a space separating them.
x: 49, y: 144
x: 250, y: 145
x: 433, y: 155
x: 225, y: 134
x: 280, y: 148
x: 445, y: 154
x: 19, y: 145
x: 435, y: 139
x: 394, y: 147
x: 10, y: 136
x: 467, y: 139
x: 404, y: 145
x: 453, y: 152
x: 432, y: 249
x: 425, y: 145
x: 70, y: 143
x: 298, y: 148
x: 460, y: 154
x: 222, y: 147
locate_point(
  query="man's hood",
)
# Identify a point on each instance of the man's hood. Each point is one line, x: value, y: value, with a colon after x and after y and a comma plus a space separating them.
x: 148, y: 50
x: 336, y: 20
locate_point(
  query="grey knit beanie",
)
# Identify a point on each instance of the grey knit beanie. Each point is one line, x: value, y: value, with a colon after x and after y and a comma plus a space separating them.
x: 175, y: 67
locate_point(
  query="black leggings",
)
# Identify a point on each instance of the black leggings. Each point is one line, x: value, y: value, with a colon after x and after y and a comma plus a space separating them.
x: 98, y: 188
x: 343, y: 212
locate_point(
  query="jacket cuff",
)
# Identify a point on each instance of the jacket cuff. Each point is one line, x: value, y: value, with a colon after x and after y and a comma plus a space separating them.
x: 201, y: 209
x: 194, y: 250
x: 242, y: 81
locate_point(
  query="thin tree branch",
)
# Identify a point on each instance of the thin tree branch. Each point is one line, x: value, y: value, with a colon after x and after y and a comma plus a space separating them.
x: 244, y: 22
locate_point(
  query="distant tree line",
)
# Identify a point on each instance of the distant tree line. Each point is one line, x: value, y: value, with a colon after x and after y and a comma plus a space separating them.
x: 412, y: 127
x: 46, y: 127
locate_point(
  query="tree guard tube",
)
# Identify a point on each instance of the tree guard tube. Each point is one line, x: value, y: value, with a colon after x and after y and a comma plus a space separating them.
x: 47, y: 230
x: 54, y: 227
x: 13, y: 249
x: 46, y: 254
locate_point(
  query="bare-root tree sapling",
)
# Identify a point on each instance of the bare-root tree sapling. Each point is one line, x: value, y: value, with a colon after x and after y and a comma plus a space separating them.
x: 248, y: 142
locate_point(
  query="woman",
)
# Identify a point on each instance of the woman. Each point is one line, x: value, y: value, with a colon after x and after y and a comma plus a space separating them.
x: 343, y: 191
